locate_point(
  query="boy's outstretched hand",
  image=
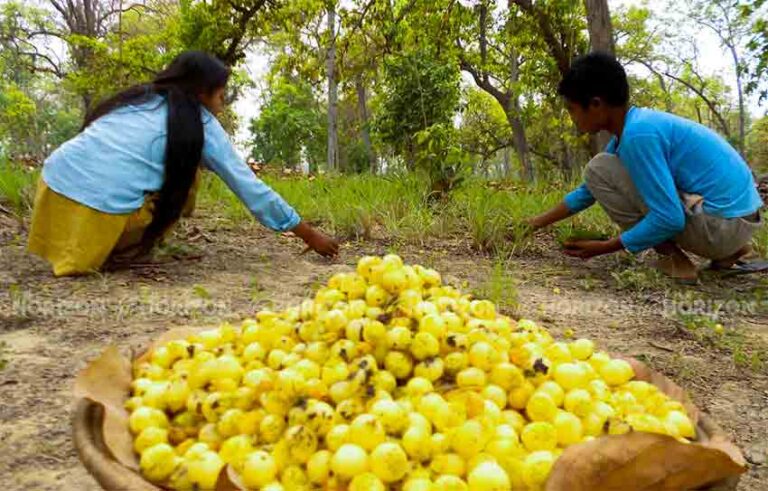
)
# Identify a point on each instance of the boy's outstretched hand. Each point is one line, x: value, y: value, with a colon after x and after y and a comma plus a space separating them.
x: 586, y: 249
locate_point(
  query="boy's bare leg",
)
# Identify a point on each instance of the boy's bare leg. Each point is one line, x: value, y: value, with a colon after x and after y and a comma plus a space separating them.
x: 674, y: 262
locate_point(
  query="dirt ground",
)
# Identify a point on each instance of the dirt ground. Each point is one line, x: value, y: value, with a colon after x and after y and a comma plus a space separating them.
x: 50, y: 327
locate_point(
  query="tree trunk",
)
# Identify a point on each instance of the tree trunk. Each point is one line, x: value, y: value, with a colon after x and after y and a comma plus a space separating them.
x: 362, y: 108
x: 740, y: 92
x: 333, y: 97
x: 600, y: 39
x: 518, y: 129
x: 507, y: 165
x: 520, y: 140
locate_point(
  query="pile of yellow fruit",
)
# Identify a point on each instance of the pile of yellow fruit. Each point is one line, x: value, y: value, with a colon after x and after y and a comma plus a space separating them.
x: 388, y: 379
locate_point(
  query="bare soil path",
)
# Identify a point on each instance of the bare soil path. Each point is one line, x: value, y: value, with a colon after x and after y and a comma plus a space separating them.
x: 49, y: 327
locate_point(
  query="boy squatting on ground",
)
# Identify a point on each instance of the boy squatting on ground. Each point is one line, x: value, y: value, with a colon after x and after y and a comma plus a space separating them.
x: 669, y: 183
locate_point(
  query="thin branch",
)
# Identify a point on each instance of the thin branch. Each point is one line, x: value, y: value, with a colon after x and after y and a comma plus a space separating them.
x: 712, y: 106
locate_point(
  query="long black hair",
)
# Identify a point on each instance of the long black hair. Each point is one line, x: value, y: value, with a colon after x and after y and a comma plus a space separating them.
x: 190, y: 74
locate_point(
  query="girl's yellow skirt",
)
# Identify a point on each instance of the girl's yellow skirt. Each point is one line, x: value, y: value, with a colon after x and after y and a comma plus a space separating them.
x: 77, y: 239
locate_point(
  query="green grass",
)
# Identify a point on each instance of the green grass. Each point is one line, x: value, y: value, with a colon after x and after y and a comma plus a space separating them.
x: 746, y: 351
x: 396, y: 208
x: 500, y: 288
x: 17, y: 187
x: 760, y: 239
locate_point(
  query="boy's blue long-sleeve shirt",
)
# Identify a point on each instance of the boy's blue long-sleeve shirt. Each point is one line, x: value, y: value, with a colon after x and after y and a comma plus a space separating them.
x: 666, y: 155
x: 119, y: 158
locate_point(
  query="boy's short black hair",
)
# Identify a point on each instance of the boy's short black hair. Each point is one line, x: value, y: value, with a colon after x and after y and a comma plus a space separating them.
x: 593, y: 75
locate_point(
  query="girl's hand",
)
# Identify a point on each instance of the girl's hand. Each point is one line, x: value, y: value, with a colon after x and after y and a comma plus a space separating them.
x: 317, y: 241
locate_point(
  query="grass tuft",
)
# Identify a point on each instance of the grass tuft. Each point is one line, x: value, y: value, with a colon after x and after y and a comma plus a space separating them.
x: 17, y: 187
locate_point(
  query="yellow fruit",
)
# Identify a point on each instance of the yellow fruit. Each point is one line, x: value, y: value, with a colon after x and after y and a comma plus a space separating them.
x: 681, y: 423
x: 482, y: 309
x: 645, y: 422
x: 450, y: 483
x: 506, y: 375
x: 302, y: 443
x: 482, y: 355
x: 271, y: 428
x: 578, y: 402
x: 593, y: 424
x: 541, y: 407
x: 570, y: 376
x: 150, y: 436
x: 430, y: 369
x: 366, y: 431
x: 468, y: 439
x: 455, y: 362
x: 471, y: 377
x: 536, y: 468
x: 349, y: 460
x: 376, y: 296
x: 365, y: 264
x: 366, y: 482
x: 417, y: 443
x: 433, y: 324
x: 259, y: 469
x: 145, y: 417
x: 418, y: 484
x: 518, y: 397
x: 582, y: 349
x: 439, y: 444
x: 391, y: 415
x: 424, y: 345
x: 495, y: 394
x: 203, y: 471
x: 568, y: 428
x: 337, y: 436
x: 235, y: 449
x: 389, y: 462
x: 616, y: 372
x: 319, y: 417
x: 539, y: 436
x: 319, y: 467
x: 418, y: 386
x: 398, y: 338
x: 559, y: 353
x: 158, y: 462
x: 394, y: 281
x: 398, y: 364
x: 488, y: 476
x: 449, y: 464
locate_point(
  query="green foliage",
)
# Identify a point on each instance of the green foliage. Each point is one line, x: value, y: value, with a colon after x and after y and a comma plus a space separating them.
x: 290, y: 126
x: 439, y: 156
x: 17, y: 187
x: 420, y: 89
x: 484, y: 128
x: 148, y: 42
x: 757, y: 145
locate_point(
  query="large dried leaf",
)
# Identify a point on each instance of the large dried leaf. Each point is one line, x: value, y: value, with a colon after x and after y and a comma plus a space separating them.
x: 636, y: 461
x: 107, y: 381
x: 640, y: 462
x: 646, y: 461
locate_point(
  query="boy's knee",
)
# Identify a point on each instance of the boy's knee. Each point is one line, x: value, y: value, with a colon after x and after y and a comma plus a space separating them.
x: 601, y: 165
